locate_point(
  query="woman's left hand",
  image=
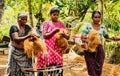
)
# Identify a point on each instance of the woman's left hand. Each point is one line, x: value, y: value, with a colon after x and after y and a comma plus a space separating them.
x: 84, y: 37
x: 108, y: 39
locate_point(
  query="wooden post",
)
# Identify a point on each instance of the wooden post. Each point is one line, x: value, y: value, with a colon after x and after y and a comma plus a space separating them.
x: 30, y: 12
x: 100, y: 8
x: 2, y: 4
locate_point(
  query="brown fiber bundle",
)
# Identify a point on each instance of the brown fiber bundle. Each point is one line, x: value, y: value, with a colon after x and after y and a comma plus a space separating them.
x: 93, y: 41
x: 33, y: 44
x: 61, y: 41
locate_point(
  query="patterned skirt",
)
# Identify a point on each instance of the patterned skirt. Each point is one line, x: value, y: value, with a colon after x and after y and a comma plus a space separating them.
x: 17, y: 60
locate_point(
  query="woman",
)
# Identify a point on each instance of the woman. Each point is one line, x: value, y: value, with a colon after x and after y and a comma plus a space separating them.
x: 55, y: 56
x: 95, y: 60
x: 17, y: 58
x: 38, y: 30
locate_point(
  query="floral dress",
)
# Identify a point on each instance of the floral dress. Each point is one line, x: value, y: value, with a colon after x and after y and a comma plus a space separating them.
x: 95, y: 60
x: 55, y: 56
x: 102, y: 31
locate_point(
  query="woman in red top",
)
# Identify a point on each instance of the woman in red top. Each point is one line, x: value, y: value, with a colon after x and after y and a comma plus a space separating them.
x: 55, y: 56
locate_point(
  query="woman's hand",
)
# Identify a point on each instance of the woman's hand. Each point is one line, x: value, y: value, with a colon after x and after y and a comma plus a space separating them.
x: 115, y: 38
x: 84, y: 37
x: 33, y: 35
x: 65, y: 35
x: 56, y: 30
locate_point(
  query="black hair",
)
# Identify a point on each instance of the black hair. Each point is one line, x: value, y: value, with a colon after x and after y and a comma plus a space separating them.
x: 94, y: 12
x: 54, y: 9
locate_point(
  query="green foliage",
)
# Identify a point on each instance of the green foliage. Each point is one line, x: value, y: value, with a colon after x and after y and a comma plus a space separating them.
x: 73, y: 12
x: 115, y: 56
x: 73, y: 24
x: 80, y: 52
x: 111, y: 16
x: 109, y: 47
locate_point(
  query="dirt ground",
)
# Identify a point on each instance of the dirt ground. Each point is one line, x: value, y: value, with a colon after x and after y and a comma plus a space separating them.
x: 70, y: 58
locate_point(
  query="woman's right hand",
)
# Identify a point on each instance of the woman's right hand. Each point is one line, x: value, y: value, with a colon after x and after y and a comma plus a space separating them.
x: 31, y: 35
x: 56, y: 30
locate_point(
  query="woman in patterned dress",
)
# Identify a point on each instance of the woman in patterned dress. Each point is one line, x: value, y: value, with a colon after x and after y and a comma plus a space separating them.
x: 95, y: 60
x: 17, y: 59
x: 55, y: 56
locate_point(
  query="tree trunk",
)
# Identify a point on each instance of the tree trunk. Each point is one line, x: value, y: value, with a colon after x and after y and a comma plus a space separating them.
x: 76, y: 4
x: 100, y: 8
x: 30, y: 12
x: 83, y: 12
x: 2, y: 4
